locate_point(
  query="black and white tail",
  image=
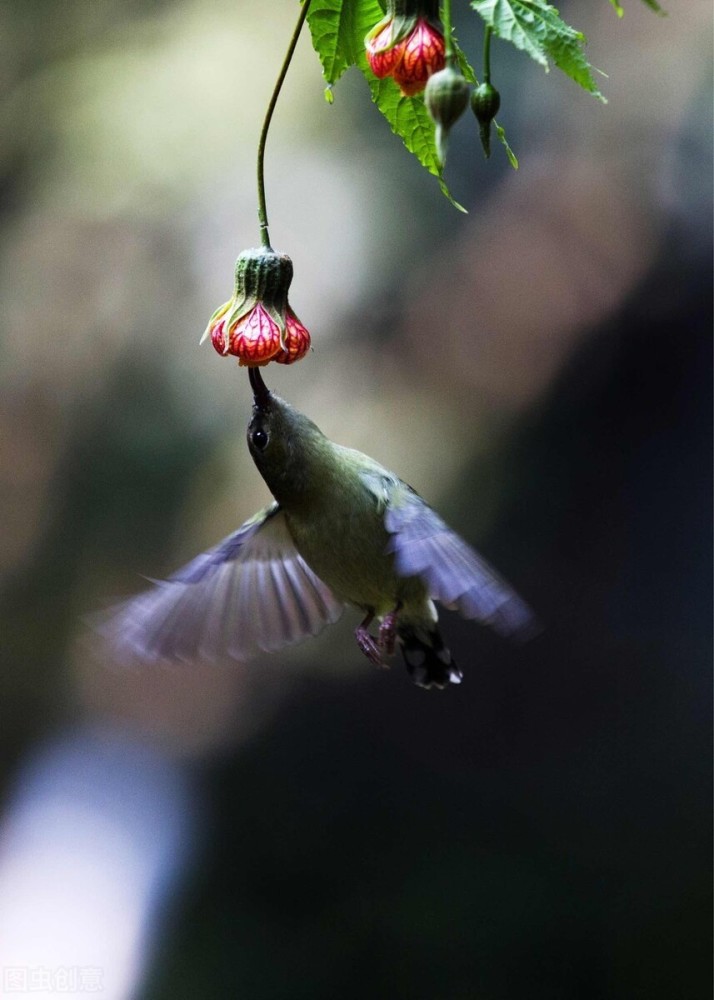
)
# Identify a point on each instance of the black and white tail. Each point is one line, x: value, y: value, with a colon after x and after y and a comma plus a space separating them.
x: 428, y: 661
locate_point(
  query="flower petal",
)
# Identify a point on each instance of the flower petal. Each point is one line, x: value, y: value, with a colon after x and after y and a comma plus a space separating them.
x: 213, y: 322
x: 422, y: 55
x: 296, y: 341
x: 382, y: 56
x: 255, y: 338
x: 218, y: 338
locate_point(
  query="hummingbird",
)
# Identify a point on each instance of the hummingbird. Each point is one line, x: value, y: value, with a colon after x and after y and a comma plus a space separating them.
x: 341, y: 531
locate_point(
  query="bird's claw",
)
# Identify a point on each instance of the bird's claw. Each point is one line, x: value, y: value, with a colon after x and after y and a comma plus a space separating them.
x: 388, y: 632
x: 376, y: 649
x: 370, y: 647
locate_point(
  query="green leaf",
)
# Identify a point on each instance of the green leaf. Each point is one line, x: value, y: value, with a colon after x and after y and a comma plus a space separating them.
x: 338, y: 28
x: 409, y: 119
x: 535, y: 27
x: 447, y: 194
x: 465, y: 66
x: 618, y: 7
x: 501, y: 133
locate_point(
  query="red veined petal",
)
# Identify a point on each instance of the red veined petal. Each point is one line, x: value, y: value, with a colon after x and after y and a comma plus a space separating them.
x: 255, y: 338
x: 218, y: 338
x: 296, y: 340
x: 422, y: 55
x: 381, y: 56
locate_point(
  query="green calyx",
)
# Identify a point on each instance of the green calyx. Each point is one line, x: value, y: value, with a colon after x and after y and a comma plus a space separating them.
x: 264, y: 276
x: 428, y: 9
x: 403, y: 15
x: 401, y: 27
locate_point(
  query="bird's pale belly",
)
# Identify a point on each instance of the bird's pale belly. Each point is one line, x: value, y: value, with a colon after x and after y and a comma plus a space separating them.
x: 353, y: 561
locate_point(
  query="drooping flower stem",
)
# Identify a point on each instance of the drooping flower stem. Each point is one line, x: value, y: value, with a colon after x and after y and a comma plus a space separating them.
x: 448, y: 40
x: 487, y: 54
x: 262, y: 210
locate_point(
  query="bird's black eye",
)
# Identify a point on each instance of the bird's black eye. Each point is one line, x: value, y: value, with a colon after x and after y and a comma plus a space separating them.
x: 259, y: 437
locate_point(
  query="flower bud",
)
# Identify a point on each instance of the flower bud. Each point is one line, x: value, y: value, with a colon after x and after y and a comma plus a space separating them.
x: 485, y: 102
x: 446, y: 97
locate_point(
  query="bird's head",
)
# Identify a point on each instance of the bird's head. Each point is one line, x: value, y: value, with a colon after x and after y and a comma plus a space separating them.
x: 286, y: 446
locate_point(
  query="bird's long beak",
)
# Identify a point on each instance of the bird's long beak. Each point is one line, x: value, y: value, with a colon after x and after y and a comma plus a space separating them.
x: 261, y: 393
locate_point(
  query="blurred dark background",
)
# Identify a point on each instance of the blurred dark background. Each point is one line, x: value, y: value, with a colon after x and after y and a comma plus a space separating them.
x: 540, y: 369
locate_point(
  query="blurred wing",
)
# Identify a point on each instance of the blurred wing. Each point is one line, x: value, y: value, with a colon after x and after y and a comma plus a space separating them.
x: 423, y: 545
x: 252, y: 593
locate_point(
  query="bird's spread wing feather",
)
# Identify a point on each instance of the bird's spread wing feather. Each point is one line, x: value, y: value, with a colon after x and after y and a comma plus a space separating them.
x: 424, y: 546
x: 252, y: 593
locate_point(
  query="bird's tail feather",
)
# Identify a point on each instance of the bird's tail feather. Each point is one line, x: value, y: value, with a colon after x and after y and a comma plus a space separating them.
x: 428, y: 661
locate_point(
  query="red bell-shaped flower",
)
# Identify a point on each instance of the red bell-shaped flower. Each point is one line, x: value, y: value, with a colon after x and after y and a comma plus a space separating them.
x: 407, y: 44
x: 257, y: 324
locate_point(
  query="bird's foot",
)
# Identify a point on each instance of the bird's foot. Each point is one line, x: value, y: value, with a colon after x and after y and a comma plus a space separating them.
x: 371, y: 648
x: 388, y: 631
